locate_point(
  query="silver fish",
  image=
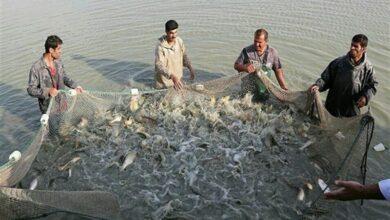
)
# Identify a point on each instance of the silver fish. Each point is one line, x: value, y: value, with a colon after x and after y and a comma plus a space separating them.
x: 69, y: 164
x: 323, y: 185
x: 301, y: 194
x: 307, y: 144
x: 117, y: 118
x: 339, y: 135
x: 129, y: 159
x: 34, y: 184
x: 309, y: 186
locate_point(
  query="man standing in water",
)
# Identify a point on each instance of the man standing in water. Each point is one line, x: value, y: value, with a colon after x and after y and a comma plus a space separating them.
x: 170, y: 58
x: 350, y: 79
x: 259, y: 55
x: 47, y: 75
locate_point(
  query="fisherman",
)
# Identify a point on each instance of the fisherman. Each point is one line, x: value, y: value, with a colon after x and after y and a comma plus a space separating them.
x: 350, y: 79
x: 259, y: 55
x: 47, y: 75
x: 170, y: 58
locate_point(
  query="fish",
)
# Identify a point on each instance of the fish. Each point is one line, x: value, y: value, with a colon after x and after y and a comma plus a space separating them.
x: 117, y: 118
x: 317, y: 167
x: 162, y: 157
x: 225, y: 100
x: 34, y: 184
x: 323, y: 186
x: 301, y: 194
x: 134, y: 104
x: 309, y: 186
x: 307, y: 144
x: 128, y: 122
x: 129, y: 159
x: 69, y: 164
x: 339, y: 135
x: 212, y: 101
x: 142, y: 133
x: 70, y: 173
x: 83, y: 123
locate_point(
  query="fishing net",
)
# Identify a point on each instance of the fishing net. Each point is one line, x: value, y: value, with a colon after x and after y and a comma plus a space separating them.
x: 342, y: 148
x: 86, y: 130
x: 25, y: 204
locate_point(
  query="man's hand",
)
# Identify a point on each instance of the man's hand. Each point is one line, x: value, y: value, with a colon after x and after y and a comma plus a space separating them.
x: 53, y: 92
x: 349, y: 190
x: 361, y: 102
x: 177, y: 84
x: 79, y: 89
x: 284, y: 87
x: 192, y: 74
x: 250, y: 68
x: 314, y: 88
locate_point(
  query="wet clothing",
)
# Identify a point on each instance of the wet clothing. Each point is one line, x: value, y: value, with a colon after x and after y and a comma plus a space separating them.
x: 384, y: 187
x: 347, y: 83
x: 268, y: 61
x: 41, y: 79
x: 170, y: 59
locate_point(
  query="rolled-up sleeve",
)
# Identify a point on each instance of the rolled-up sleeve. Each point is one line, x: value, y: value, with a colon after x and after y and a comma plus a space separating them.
x: 384, y: 187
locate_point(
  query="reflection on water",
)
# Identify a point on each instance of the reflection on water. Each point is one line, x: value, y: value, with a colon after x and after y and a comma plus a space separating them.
x: 117, y: 53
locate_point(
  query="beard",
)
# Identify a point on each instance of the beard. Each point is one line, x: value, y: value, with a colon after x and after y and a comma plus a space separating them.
x: 353, y: 53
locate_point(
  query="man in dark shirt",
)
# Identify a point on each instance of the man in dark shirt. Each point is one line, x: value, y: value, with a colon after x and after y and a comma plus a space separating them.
x: 47, y: 75
x: 350, y: 79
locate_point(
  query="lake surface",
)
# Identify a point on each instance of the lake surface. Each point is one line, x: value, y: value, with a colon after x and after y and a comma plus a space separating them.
x: 109, y: 46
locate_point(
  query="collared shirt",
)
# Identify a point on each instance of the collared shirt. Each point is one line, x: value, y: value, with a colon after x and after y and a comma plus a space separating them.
x: 40, y: 81
x: 268, y: 60
x: 250, y: 55
x: 169, y: 60
x: 384, y: 187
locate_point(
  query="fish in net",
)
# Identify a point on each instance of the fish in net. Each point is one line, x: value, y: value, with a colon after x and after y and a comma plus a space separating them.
x: 110, y: 114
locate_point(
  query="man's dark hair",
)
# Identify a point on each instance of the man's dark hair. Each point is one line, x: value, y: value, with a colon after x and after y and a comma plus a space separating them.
x: 360, y: 38
x: 171, y: 25
x: 260, y: 32
x: 52, y: 42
